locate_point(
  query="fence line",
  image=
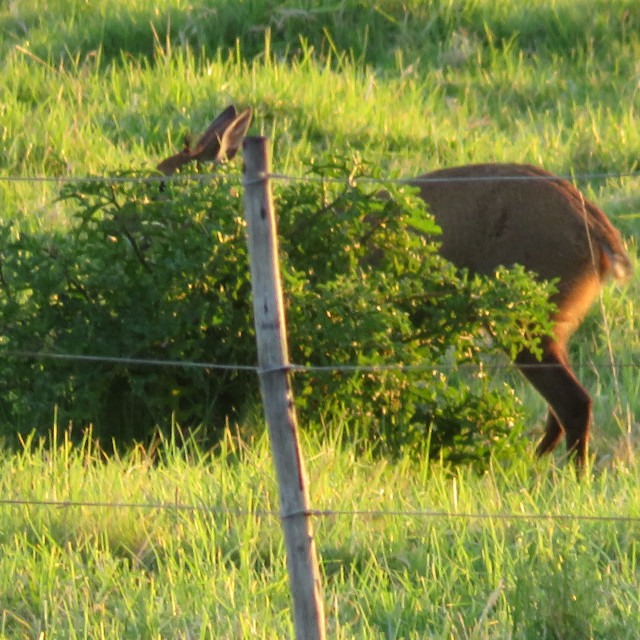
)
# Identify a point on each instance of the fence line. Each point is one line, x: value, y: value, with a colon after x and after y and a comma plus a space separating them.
x: 283, y: 177
x: 149, y: 362
x: 183, y: 177
x: 446, y: 179
x: 321, y: 513
x: 299, y: 368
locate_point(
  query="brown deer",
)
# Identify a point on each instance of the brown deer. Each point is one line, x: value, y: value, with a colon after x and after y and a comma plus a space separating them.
x: 219, y: 143
x: 503, y: 214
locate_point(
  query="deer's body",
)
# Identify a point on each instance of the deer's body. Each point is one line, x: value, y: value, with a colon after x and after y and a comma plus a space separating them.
x: 505, y: 214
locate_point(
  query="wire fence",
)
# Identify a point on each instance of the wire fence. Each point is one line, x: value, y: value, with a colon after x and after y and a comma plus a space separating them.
x: 283, y: 177
x: 305, y: 369
x: 319, y: 513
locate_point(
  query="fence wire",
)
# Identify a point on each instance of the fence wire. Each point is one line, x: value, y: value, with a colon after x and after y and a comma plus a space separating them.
x: 306, y: 369
x: 283, y: 177
x: 320, y: 513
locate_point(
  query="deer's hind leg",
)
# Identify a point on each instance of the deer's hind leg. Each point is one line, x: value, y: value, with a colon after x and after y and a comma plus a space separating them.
x: 569, y: 403
x: 552, y: 435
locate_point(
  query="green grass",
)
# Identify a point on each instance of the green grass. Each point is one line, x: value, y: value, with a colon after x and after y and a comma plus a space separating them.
x: 218, y: 571
x: 88, y: 88
x: 435, y: 84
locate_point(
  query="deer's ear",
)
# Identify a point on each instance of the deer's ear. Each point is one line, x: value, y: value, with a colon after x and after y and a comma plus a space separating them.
x: 220, y: 142
x: 234, y: 134
x: 216, y: 130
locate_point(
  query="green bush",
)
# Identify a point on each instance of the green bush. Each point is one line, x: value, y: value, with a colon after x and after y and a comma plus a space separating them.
x: 140, y: 274
x: 163, y: 275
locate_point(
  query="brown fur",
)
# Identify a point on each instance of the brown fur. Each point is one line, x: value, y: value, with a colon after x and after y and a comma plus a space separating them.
x: 503, y: 214
x: 219, y: 142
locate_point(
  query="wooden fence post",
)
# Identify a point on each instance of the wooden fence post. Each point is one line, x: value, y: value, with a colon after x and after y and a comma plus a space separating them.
x: 277, y: 397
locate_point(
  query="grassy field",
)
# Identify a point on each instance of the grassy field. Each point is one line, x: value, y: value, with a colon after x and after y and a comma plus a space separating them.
x: 93, y: 87
x: 216, y: 570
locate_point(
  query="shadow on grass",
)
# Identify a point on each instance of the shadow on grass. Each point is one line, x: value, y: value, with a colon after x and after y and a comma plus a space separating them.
x: 367, y: 32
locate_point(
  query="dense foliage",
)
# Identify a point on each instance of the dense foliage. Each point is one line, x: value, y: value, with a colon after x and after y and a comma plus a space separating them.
x: 146, y: 273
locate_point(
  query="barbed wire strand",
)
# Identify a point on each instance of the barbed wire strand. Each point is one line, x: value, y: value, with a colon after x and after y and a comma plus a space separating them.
x: 299, y: 368
x: 150, y: 362
x: 283, y: 177
x: 320, y: 513
x: 426, y: 179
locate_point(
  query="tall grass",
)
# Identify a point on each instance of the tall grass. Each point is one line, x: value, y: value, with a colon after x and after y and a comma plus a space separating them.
x: 217, y: 570
x: 87, y: 88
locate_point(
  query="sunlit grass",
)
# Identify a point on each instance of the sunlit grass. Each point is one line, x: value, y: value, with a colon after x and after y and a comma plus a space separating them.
x: 90, y: 88
x: 473, y: 94
x: 217, y: 570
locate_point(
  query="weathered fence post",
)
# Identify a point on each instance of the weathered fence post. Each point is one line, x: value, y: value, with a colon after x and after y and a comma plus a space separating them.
x: 273, y: 360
